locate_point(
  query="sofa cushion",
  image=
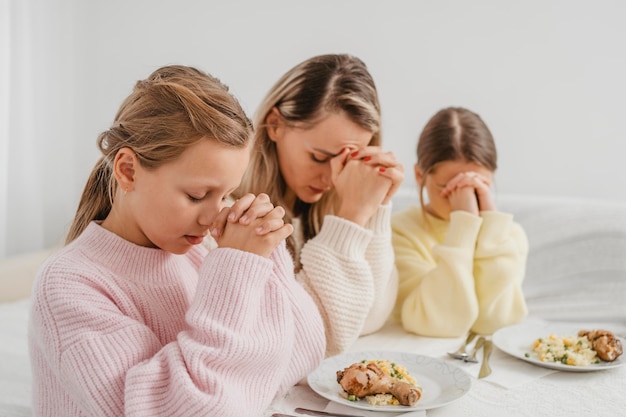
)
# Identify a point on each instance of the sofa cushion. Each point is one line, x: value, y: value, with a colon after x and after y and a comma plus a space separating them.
x: 18, y: 273
x: 576, y: 268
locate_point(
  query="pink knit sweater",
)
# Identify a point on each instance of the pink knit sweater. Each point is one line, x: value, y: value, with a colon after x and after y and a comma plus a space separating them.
x: 122, y: 330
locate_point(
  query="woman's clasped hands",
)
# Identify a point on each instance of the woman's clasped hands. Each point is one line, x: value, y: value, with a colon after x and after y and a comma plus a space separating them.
x: 364, y: 179
x: 252, y: 224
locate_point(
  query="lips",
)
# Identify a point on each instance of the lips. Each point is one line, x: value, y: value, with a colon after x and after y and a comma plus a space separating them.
x: 194, y: 240
x: 318, y: 190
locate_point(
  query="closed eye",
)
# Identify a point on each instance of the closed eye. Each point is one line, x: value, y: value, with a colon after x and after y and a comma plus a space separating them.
x: 318, y: 160
x: 194, y: 199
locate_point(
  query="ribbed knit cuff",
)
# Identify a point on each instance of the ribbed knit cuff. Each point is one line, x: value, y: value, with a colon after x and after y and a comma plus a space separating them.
x: 495, y: 224
x: 230, y: 283
x: 380, y: 222
x: 463, y: 230
x: 343, y: 236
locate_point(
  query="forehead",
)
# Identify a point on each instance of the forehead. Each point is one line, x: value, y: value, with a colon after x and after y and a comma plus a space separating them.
x: 336, y: 131
x: 210, y: 163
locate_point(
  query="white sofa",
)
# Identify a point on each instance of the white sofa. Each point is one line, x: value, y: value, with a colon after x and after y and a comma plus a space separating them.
x: 576, y: 272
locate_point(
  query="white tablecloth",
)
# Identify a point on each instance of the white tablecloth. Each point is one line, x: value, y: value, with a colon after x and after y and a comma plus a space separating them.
x: 531, y: 390
x: 515, y: 387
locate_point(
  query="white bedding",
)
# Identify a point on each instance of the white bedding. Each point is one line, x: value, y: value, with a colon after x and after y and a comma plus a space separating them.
x: 15, y: 386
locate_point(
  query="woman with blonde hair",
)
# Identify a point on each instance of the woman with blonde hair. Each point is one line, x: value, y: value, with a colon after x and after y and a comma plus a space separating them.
x: 134, y: 316
x: 317, y: 152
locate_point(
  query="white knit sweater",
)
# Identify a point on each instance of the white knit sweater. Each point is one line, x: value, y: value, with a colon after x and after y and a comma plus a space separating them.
x: 350, y: 273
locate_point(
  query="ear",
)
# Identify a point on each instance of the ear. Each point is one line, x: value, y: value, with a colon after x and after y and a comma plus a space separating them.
x: 275, y: 125
x: 124, y: 167
x: 419, y: 174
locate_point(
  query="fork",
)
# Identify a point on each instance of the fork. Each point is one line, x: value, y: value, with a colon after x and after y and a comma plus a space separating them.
x: 460, y: 352
x: 485, y: 369
x: 472, y: 358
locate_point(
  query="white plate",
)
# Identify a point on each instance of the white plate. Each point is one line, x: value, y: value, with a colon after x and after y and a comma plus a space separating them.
x: 441, y: 382
x: 517, y: 341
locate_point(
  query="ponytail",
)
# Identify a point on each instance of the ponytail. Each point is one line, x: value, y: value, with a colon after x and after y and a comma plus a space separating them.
x: 96, y: 201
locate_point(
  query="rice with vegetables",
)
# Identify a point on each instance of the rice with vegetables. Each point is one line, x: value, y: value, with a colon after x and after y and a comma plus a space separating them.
x: 568, y: 350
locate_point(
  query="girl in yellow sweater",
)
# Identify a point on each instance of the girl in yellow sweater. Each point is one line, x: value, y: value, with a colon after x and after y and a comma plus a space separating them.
x: 460, y: 261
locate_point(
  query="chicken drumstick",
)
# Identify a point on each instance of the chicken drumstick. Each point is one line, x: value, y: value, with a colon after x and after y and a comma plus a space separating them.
x: 361, y: 379
x: 604, y: 342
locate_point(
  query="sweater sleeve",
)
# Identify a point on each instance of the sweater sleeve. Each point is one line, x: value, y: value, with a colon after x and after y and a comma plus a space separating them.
x: 350, y: 273
x: 436, y: 294
x: 380, y: 257
x: 499, y: 268
x: 230, y: 360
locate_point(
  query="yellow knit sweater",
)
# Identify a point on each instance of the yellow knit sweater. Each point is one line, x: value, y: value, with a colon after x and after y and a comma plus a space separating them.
x: 458, y: 275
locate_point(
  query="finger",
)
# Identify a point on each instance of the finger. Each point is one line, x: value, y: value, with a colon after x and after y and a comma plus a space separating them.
x: 276, y: 213
x: 385, y: 159
x: 476, y: 175
x: 259, y: 208
x: 451, y: 184
x: 396, y: 175
x: 465, y: 178
x: 280, y: 234
x: 272, y: 239
x: 365, y: 152
x: 338, y: 162
x: 459, y: 184
x: 375, y: 155
x: 269, y: 226
x: 217, y: 227
x: 485, y: 180
x: 481, y: 186
x: 240, y: 206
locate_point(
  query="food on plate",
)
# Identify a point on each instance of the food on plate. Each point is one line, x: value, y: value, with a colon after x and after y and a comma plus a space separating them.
x: 380, y: 382
x: 607, y: 346
x: 587, y: 348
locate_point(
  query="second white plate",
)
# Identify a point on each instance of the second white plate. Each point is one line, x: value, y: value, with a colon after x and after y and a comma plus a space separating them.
x: 516, y: 340
x: 441, y: 382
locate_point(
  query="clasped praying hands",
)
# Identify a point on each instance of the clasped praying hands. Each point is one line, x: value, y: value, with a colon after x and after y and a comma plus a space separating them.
x: 365, y: 179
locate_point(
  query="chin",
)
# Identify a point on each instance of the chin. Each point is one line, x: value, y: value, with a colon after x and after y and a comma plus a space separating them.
x: 178, y: 249
x: 311, y: 198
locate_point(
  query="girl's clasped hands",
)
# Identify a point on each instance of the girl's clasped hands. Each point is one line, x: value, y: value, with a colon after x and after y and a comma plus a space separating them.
x: 469, y: 191
x: 251, y: 224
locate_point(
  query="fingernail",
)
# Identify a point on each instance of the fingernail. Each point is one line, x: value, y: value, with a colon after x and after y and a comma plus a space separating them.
x: 231, y: 216
x: 214, y: 232
x: 382, y: 169
x: 244, y: 218
x: 354, y: 154
x: 367, y: 158
x: 259, y: 229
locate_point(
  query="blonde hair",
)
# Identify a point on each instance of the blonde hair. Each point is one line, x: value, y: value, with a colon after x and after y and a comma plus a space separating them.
x: 174, y: 108
x: 303, y: 96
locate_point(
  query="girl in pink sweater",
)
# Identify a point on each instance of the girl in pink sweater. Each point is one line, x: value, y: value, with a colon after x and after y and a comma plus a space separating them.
x: 134, y: 317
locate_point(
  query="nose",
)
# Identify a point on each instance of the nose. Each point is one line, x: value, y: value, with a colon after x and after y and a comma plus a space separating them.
x: 326, y: 177
x: 209, y: 211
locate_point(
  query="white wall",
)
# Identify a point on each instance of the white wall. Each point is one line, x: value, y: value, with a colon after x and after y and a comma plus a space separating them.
x: 547, y: 76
